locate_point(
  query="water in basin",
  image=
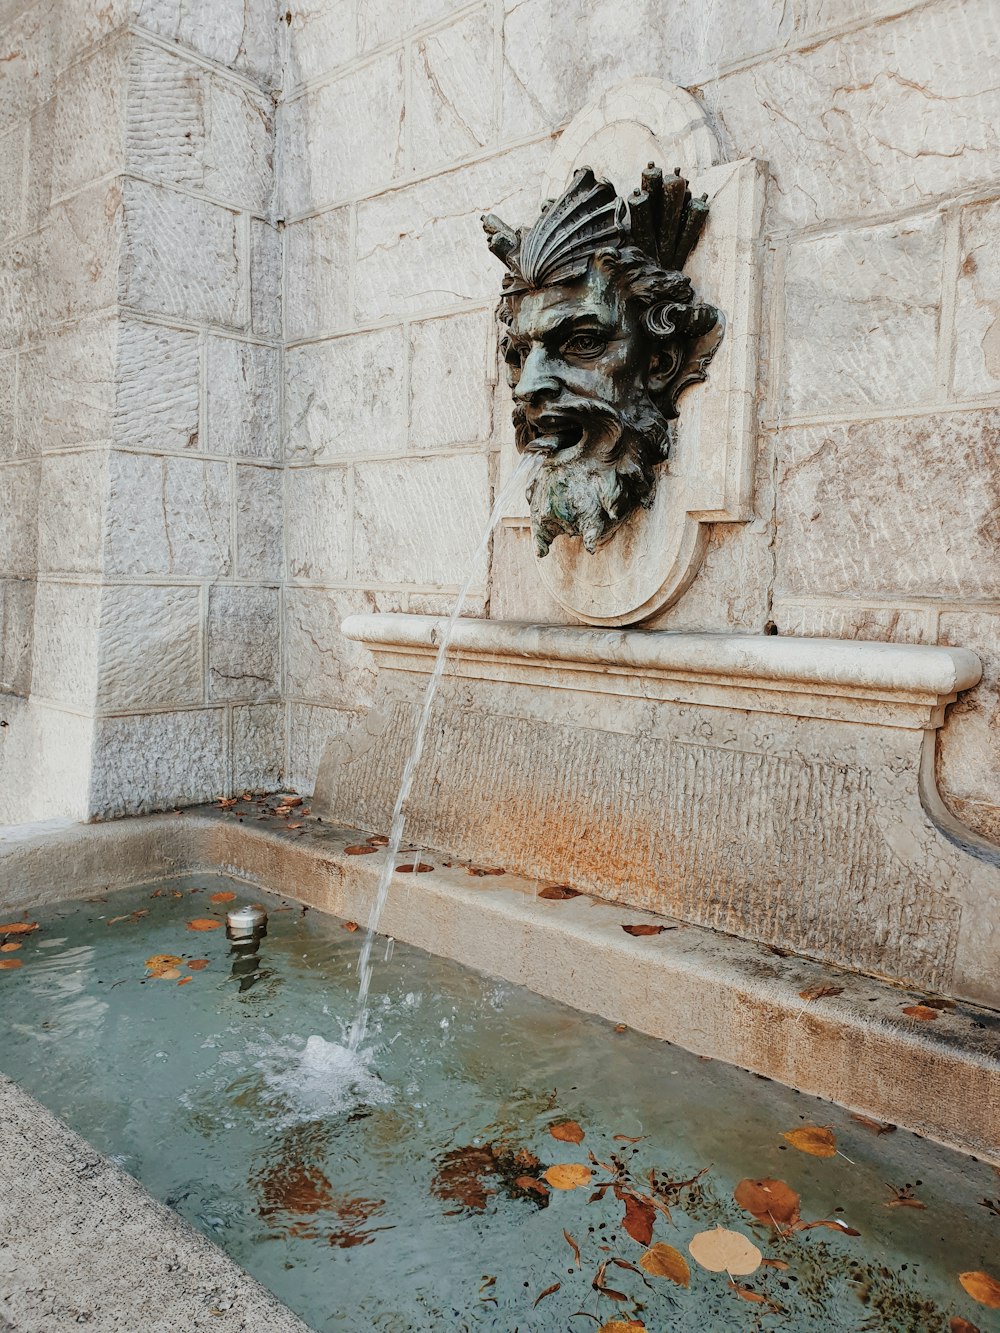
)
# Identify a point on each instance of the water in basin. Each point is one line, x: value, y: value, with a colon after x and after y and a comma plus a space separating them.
x: 408, y: 1186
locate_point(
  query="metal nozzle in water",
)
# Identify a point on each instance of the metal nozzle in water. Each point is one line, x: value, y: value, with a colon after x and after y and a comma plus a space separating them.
x: 246, y: 923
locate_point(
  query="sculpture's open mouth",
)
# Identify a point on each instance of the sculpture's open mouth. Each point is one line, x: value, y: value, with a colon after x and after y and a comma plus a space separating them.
x: 553, y: 432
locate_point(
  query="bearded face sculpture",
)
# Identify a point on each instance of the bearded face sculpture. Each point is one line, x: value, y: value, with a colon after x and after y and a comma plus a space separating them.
x: 601, y: 333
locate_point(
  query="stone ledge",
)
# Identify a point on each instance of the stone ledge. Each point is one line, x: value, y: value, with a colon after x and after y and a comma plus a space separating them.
x: 901, y: 685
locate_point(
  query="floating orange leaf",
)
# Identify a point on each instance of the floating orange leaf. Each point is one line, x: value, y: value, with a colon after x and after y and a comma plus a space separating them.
x: 923, y: 1012
x: 547, y: 1292
x: 646, y: 930
x: 18, y: 927
x: 724, y: 1251
x: 620, y: 1326
x: 10, y: 964
x: 639, y: 1217
x: 748, y: 1294
x: 533, y: 1184
x: 568, y: 1176
x: 770, y: 1201
x: 11, y: 946
x: 558, y: 893
x: 816, y: 1140
x: 183, y: 981
x: 982, y: 1288
x: 196, y: 964
x: 224, y: 897
x: 574, y: 1247
x: 627, y: 1138
x: 416, y: 868
x: 360, y: 849
x: 957, y: 1325
x: 204, y: 923
x: 567, y: 1131
x: 352, y: 926
x: 664, y: 1261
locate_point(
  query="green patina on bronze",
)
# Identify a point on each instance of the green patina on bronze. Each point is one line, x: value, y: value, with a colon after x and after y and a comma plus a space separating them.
x: 601, y: 333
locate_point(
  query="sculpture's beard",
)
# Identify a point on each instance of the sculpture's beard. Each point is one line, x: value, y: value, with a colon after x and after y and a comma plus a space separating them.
x: 599, y: 465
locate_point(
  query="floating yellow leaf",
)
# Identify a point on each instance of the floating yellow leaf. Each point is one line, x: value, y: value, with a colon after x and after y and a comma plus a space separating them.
x: 204, y: 923
x: 568, y: 1176
x: 982, y: 1288
x: 664, y: 1261
x: 567, y: 1131
x: 816, y: 1140
x: 723, y: 1251
x: 160, y: 960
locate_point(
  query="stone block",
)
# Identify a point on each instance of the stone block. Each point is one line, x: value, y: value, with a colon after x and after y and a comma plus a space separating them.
x: 239, y: 153
x: 420, y: 249
x: 259, y: 527
x: 423, y: 12
x: 344, y: 138
x: 166, y: 133
x: 157, y: 389
x: 66, y: 644
x: 310, y: 729
x: 88, y: 125
x: 150, y: 648
x: 977, y: 307
x: 968, y: 754
x: 321, y: 666
x: 450, y: 107
x: 238, y: 34
x: 244, y: 660
x: 167, y: 516
x: 242, y: 398
x: 318, y: 524
x: 346, y: 397
x: 265, y: 279
x: 17, y: 615
x: 82, y: 255
x: 258, y: 758
x: 182, y: 256
x: 66, y: 388
x: 892, y: 508
x: 420, y: 520
x: 861, y: 318
x: 22, y: 296
x: 848, y: 620
x: 317, y: 269
x: 13, y: 146
x: 450, y: 365
x: 8, y: 406
x: 92, y: 20
x: 29, y: 44
x: 381, y: 22
x: 35, y: 195
x: 154, y: 761
x: 71, y: 505
x: 322, y: 34
x: 892, y: 115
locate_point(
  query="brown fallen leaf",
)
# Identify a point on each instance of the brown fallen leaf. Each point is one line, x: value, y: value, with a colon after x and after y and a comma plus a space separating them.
x: 774, y: 1263
x: 599, y: 1284
x: 532, y: 1183
x: 923, y: 1012
x: 129, y: 916
x: 480, y: 871
x: 378, y: 840
x: 664, y: 1261
x: 831, y: 1224
x: 982, y: 1288
x: 748, y: 1294
x: 622, y: 1326
x: 414, y: 868
x: 567, y: 1131
x: 574, y: 1247
x: 558, y: 893
x: 769, y: 1201
x: 291, y: 801
x: 620, y: 1027
x: 11, y: 946
x: 204, y: 923
x: 18, y: 927
x: 627, y: 1138
x: 876, y: 1126
x: 816, y: 1140
x: 639, y: 1218
x: 352, y: 926
x: 223, y: 897
x: 197, y: 964
x: 724, y: 1251
x: 646, y: 930
x: 568, y: 1176
x: 360, y: 849
x: 547, y: 1292
x: 10, y: 964
x: 903, y: 1197
x: 183, y: 981
x: 167, y: 893
x: 820, y: 991
x: 227, y: 802
x: 958, y: 1325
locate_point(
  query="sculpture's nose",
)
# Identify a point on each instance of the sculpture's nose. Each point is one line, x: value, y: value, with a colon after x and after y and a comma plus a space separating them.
x: 537, y: 378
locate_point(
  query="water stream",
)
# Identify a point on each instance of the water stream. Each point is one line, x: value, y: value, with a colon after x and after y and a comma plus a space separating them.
x: 521, y: 476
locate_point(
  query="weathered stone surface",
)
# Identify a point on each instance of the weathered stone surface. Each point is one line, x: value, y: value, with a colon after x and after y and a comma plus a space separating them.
x: 19, y: 491
x: 67, y: 388
x: 12, y: 149
x: 30, y: 66
x: 8, y: 407
x: 977, y: 308
x: 243, y: 636
x: 880, y: 119
x: 71, y: 506
x: 317, y: 265
x: 167, y: 516
x: 242, y: 398
x: 322, y: 34
x: 318, y: 524
x: 420, y: 249
x: 449, y: 379
x: 345, y: 397
x: 310, y: 728
x: 265, y: 279
x: 182, y: 256
x: 381, y: 22
x: 65, y: 643
x: 420, y: 520
x: 831, y: 620
x: 239, y: 152
x: 968, y: 757
x: 258, y: 758
x: 88, y: 126
x: 157, y: 388
x: 165, y: 136
x: 517, y: 593
x: 22, y: 298
x: 936, y: 536
x: 241, y: 34
x: 861, y: 317
x: 322, y: 666
x: 17, y: 614
x: 82, y: 254
x: 152, y: 761
x: 449, y: 111
x: 336, y: 144
x: 150, y: 648
x: 259, y: 527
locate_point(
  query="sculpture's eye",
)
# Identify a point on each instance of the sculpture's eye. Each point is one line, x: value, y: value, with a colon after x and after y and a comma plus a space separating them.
x: 514, y: 353
x: 585, y: 344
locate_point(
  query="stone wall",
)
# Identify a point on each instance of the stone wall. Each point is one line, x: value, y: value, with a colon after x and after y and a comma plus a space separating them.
x: 878, y: 483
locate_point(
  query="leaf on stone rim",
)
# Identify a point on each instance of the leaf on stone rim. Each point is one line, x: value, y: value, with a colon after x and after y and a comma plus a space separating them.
x: 568, y: 1176
x: 642, y: 929
x: 876, y: 1126
x: 816, y: 1140
x: 923, y: 1012
x: 360, y: 849
x: 820, y: 991
x: 204, y: 923
x: 414, y: 868
x: 547, y: 1292
x: 558, y: 893
x: 982, y: 1288
x: 769, y: 1201
x: 567, y: 1131
x: 664, y: 1261
x: 352, y: 926
x: 18, y: 927
x: 480, y: 871
x: 724, y: 1251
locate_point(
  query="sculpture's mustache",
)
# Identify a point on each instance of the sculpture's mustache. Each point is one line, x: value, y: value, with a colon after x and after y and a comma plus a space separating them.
x: 570, y: 428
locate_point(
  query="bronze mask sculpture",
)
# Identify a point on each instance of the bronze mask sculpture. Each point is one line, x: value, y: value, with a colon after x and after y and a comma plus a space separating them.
x: 601, y: 333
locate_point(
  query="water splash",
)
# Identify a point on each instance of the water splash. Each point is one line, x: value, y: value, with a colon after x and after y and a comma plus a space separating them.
x: 521, y: 476
x: 323, y: 1079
